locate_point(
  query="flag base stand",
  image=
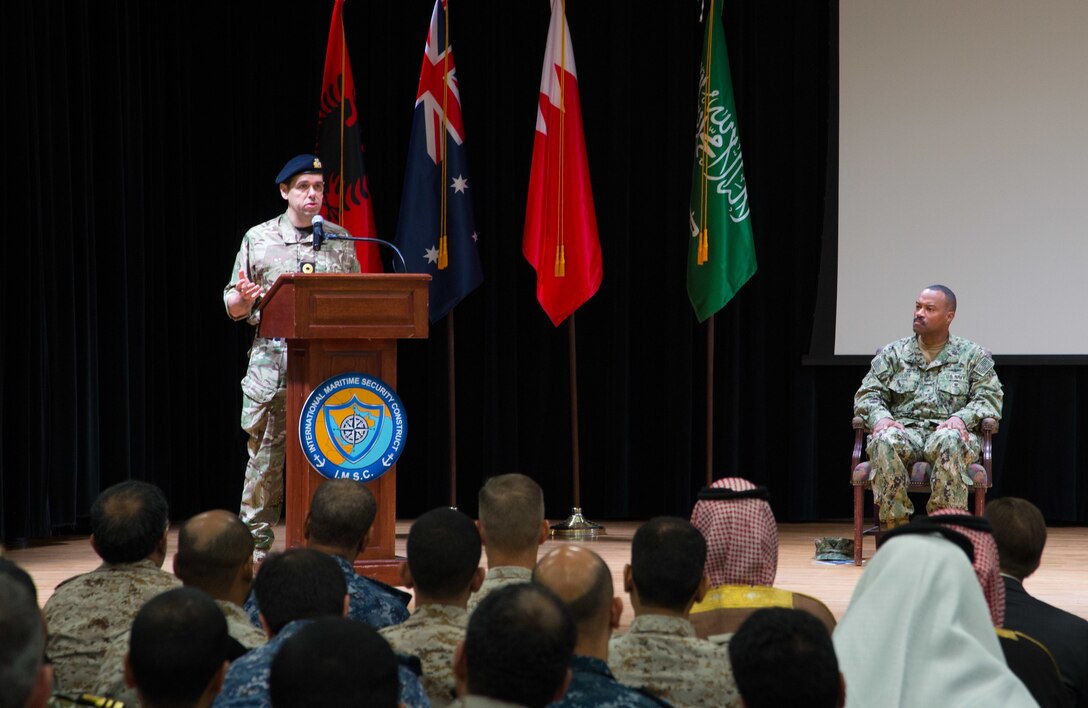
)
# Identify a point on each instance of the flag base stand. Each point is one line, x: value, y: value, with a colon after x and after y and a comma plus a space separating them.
x: 576, y: 528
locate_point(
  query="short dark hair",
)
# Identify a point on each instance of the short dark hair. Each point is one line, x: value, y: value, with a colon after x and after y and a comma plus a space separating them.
x: 511, y: 509
x: 1020, y: 533
x: 949, y: 296
x: 177, y: 644
x: 668, y: 555
x: 519, y: 644
x: 128, y: 520
x: 443, y: 552
x: 784, y: 657
x: 11, y: 569
x: 335, y: 661
x: 22, y: 640
x: 299, y: 583
x: 210, y: 562
x: 341, y: 513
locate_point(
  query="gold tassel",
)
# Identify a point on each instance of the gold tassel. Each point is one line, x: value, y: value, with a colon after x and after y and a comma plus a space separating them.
x: 443, y: 252
x: 704, y: 248
x: 560, y: 261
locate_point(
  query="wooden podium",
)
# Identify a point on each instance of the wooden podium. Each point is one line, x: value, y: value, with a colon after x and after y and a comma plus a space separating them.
x: 336, y: 323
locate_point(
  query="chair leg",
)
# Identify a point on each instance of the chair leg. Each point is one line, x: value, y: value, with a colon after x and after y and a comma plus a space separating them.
x: 859, y: 520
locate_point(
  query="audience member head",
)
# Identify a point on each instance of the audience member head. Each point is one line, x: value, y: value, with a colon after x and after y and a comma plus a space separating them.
x: 334, y: 661
x: 668, y: 556
x: 25, y: 678
x: 987, y: 563
x: 443, y: 557
x: 917, y: 610
x: 583, y: 582
x: 512, y: 515
x: 518, y: 647
x: 128, y: 523
x: 215, y: 554
x: 177, y: 649
x: 740, y: 531
x: 299, y: 583
x: 784, y: 657
x: 341, y: 514
x: 1020, y: 533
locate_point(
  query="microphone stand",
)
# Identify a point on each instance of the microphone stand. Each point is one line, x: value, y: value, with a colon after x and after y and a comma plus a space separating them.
x: 362, y: 239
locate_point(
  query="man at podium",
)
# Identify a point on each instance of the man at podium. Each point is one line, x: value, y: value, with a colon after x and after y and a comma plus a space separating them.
x: 280, y: 245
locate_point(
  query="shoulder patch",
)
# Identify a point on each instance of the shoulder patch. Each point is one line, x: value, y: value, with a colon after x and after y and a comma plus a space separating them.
x: 984, y: 366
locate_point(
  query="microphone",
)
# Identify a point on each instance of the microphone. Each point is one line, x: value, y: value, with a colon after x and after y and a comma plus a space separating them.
x: 319, y: 231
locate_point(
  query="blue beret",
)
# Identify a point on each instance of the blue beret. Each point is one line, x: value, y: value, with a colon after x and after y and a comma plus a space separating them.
x: 298, y: 164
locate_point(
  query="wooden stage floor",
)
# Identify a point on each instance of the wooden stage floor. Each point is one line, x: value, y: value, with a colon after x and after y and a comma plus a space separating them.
x: 1062, y: 580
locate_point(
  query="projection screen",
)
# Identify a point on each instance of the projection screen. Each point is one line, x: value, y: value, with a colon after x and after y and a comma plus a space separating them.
x: 963, y: 160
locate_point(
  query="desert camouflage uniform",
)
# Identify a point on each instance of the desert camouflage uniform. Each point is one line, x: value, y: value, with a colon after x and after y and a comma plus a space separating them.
x: 960, y: 381
x: 369, y: 601
x: 111, y: 672
x: 89, y: 612
x: 662, y: 655
x: 496, y: 578
x: 432, y: 633
x: 592, y: 685
x: 240, y: 627
x: 268, y: 251
x: 246, y: 683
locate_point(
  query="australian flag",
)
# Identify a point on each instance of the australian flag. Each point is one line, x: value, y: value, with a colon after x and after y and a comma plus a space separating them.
x: 436, y: 231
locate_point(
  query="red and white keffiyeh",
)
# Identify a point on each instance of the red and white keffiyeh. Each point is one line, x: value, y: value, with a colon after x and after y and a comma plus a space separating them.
x: 987, y: 564
x: 741, y: 537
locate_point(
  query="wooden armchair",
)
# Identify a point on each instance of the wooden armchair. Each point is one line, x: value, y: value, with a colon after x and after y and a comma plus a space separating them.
x: 979, y: 476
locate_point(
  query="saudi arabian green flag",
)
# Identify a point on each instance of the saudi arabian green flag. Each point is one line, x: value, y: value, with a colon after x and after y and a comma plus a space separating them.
x: 721, y: 254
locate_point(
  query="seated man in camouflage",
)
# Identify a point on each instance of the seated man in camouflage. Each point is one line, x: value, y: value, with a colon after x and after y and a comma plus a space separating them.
x: 517, y: 650
x: 92, y: 611
x: 583, y: 582
x: 512, y: 527
x: 178, y: 650
x: 215, y: 554
x: 660, y: 651
x: 924, y: 398
x: 341, y: 514
x: 293, y: 589
x: 444, y: 569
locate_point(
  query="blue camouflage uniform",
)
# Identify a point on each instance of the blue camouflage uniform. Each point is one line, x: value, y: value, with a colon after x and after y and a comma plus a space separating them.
x: 246, y: 684
x: 592, y: 685
x: 370, y: 601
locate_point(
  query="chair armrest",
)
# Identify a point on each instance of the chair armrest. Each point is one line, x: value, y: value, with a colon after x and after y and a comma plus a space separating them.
x: 989, y: 425
x: 859, y: 423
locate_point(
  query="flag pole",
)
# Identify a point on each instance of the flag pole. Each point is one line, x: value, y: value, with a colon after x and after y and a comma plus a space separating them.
x: 710, y: 400
x: 575, y: 526
x: 451, y: 376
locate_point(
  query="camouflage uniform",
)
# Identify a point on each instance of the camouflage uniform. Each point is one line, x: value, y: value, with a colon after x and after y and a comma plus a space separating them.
x: 662, y: 655
x: 246, y: 684
x: 268, y: 251
x: 369, y: 601
x: 432, y: 633
x: 111, y: 672
x: 496, y: 578
x: 961, y: 382
x: 89, y: 612
x: 593, y: 686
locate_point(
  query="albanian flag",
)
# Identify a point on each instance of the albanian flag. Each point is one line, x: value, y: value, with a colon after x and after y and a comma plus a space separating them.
x: 340, y: 146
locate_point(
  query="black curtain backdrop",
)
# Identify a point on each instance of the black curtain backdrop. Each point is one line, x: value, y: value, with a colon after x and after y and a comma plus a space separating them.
x: 141, y: 139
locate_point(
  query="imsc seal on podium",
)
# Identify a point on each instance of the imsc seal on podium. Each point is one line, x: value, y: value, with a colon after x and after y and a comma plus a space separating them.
x: 353, y: 426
